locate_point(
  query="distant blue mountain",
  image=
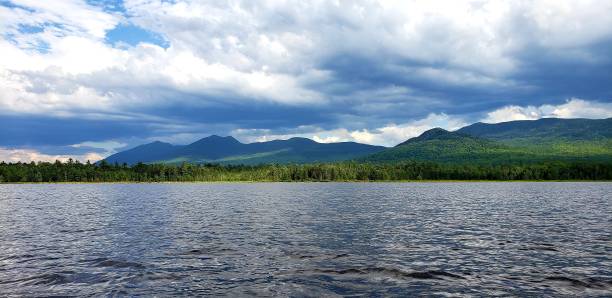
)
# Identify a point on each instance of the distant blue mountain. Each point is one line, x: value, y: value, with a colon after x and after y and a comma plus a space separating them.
x: 147, y: 152
x: 228, y: 150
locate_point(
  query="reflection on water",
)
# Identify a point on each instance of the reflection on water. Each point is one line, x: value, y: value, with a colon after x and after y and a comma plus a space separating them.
x: 292, y: 239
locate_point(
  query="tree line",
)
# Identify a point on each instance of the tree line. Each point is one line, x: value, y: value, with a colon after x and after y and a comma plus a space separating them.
x: 75, y: 171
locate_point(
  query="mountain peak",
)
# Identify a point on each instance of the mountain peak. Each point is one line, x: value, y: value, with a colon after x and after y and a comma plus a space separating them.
x: 433, y: 134
x: 220, y: 137
x: 159, y: 143
x: 301, y: 140
x: 217, y: 139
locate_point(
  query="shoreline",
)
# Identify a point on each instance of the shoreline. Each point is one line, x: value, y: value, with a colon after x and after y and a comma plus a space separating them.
x: 289, y: 182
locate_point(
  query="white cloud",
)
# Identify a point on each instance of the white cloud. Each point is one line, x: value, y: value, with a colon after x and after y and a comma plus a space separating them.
x: 274, y: 50
x: 579, y: 108
x: 389, y: 135
x: 28, y: 155
x: 77, y: 70
x: 395, y: 134
x: 477, y: 36
x: 73, y: 16
x: 572, y: 108
x: 109, y: 147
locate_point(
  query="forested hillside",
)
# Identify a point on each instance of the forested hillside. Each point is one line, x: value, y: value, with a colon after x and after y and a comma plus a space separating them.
x: 516, y: 142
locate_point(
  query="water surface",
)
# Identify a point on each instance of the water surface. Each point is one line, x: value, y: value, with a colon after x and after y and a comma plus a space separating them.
x: 306, y: 239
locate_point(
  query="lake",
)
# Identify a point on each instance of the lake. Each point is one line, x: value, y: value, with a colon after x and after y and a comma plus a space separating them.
x: 306, y: 239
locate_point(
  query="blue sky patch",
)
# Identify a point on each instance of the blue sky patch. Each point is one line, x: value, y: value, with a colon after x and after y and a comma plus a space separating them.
x: 29, y: 29
x: 108, y: 5
x: 133, y: 35
x: 10, y: 4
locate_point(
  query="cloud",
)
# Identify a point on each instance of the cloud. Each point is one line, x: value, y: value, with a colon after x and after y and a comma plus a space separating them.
x: 55, y: 19
x: 29, y: 155
x: 77, y: 70
x: 282, y: 52
x: 108, y: 147
x: 389, y: 135
x: 362, y: 70
x: 572, y: 108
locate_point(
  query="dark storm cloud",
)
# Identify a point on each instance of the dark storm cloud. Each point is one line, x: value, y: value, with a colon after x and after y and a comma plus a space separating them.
x: 557, y: 74
x: 33, y: 131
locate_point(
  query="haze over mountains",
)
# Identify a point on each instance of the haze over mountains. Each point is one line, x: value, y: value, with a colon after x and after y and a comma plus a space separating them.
x: 526, y: 141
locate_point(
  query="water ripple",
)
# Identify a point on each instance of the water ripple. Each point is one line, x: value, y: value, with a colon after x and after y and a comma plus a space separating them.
x: 306, y: 239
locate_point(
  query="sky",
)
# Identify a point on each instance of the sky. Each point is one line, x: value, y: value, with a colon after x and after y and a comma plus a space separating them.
x: 85, y: 79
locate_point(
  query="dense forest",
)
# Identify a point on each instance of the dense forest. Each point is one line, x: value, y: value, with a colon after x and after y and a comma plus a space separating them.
x: 74, y: 171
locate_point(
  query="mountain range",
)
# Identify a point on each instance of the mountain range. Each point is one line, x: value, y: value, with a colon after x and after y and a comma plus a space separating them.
x: 525, y: 141
x: 228, y: 150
